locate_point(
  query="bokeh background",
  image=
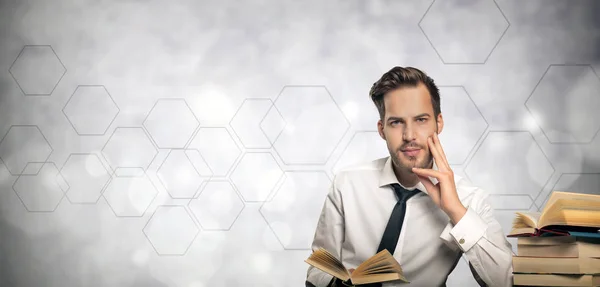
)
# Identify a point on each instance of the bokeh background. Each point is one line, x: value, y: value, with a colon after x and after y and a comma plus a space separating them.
x: 191, y: 143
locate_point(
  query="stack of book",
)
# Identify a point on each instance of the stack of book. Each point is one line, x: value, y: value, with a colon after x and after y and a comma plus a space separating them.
x: 559, y: 246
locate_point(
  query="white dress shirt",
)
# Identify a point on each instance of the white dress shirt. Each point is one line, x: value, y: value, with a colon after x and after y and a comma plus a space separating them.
x: 356, y: 212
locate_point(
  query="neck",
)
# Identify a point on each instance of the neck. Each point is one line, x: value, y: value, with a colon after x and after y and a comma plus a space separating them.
x: 406, y: 177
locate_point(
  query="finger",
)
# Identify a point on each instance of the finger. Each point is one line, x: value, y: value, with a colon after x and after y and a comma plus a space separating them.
x: 436, y: 154
x: 427, y: 172
x: 438, y: 145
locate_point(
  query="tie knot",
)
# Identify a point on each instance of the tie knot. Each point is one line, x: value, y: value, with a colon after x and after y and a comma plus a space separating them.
x: 402, y: 193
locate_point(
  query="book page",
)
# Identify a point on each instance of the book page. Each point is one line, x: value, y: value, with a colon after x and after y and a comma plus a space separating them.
x: 526, y: 219
x: 580, y: 212
x: 326, y: 262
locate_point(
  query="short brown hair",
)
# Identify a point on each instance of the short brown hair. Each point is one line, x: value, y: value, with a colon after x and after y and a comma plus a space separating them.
x: 399, y: 77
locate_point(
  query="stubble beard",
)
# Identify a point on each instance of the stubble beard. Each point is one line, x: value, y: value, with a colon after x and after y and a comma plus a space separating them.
x: 407, y: 163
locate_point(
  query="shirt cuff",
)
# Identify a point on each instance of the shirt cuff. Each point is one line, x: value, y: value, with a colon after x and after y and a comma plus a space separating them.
x: 468, y: 230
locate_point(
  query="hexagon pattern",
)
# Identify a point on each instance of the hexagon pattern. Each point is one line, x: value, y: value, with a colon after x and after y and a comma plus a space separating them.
x: 129, y: 147
x: 171, y: 230
x: 247, y: 122
x: 529, y: 168
x: 256, y: 175
x: 363, y: 147
x: 22, y: 145
x: 37, y: 70
x: 510, y: 201
x: 464, y: 31
x: 218, y: 149
x: 86, y: 176
x: 41, y: 192
x: 179, y: 176
x: 217, y: 207
x: 130, y: 196
x: 272, y: 124
x: 171, y: 123
x: 295, y: 226
x: 565, y: 103
x: 463, y: 124
x: 314, y: 125
x: 91, y: 110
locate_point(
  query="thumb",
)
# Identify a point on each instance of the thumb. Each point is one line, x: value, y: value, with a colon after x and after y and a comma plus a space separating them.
x: 432, y: 189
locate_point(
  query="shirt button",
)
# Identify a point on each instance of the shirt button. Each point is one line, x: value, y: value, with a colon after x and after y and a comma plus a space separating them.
x: 461, y: 241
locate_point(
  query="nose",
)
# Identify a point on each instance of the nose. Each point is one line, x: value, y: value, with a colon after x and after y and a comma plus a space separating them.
x: 409, y: 133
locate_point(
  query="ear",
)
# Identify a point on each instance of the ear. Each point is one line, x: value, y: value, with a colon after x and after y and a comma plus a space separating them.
x: 440, y: 123
x: 380, y: 129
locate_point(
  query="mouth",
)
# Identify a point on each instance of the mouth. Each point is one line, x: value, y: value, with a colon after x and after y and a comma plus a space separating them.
x: 411, y: 151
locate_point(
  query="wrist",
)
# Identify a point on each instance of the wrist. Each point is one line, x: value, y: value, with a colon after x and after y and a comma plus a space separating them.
x: 456, y: 212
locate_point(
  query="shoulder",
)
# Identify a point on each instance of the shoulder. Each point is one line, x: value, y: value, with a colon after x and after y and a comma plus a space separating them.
x: 361, y: 171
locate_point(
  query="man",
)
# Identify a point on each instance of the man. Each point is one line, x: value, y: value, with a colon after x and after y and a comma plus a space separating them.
x: 411, y: 203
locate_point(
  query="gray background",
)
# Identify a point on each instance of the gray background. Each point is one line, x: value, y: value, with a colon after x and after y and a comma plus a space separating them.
x: 188, y: 143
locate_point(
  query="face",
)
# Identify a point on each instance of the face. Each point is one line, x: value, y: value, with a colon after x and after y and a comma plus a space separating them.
x: 408, y: 122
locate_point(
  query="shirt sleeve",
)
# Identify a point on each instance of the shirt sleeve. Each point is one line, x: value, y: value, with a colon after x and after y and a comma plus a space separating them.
x: 329, y: 234
x: 480, y: 237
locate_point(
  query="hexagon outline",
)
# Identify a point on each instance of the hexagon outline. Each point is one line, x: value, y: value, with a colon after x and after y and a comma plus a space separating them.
x: 464, y: 63
x: 508, y: 194
x: 198, y: 190
x: 277, y: 191
x: 147, y: 207
x: 17, y: 58
x: 235, y: 166
x: 111, y: 121
x: 346, y: 147
x: 466, y: 165
x: 348, y: 126
x: 103, y: 187
x: 114, y: 169
x: 43, y: 136
x: 558, y: 180
x: 259, y: 123
x: 272, y: 142
x: 20, y: 199
x: 238, y: 195
x: 487, y: 124
x: 191, y: 111
x: 152, y: 216
x: 535, y: 88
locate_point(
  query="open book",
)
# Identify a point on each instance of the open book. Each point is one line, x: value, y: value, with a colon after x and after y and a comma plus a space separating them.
x: 381, y: 267
x: 562, y: 209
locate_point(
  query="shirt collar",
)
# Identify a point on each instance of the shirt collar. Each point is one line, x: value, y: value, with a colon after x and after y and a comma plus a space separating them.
x: 387, y: 176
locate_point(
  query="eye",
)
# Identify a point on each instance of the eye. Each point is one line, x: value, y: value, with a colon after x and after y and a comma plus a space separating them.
x: 422, y: 120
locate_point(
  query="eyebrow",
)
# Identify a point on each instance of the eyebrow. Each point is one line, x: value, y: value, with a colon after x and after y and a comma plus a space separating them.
x: 416, y: 117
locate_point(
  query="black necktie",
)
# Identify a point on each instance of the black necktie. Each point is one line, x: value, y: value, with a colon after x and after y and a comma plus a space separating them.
x: 392, y: 230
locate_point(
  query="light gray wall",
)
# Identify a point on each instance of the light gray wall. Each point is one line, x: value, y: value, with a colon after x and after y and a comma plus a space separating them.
x: 188, y: 143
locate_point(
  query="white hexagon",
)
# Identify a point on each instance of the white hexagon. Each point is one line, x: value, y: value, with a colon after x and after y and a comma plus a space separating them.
x: 464, y: 31
x: 171, y: 230
x: 171, y: 123
x: 364, y: 146
x: 179, y: 176
x: 41, y: 192
x: 247, y: 122
x: 565, y: 103
x: 130, y: 196
x: 37, y: 70
x: 272, y: 124
x: 463, y: 124
x: 91, y: 110
x: 218, y: 149
x: 314, y: 125
x: 294, y: 226
x: 217, y: 207
x: 509, y: 163
x: 22, y: 145
x: 86, y: 177
x: 256, y: 175
x: 129, y: 147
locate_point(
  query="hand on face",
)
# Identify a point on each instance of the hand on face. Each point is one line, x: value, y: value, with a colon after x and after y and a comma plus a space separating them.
x: 444, y: 192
